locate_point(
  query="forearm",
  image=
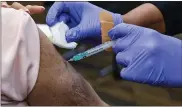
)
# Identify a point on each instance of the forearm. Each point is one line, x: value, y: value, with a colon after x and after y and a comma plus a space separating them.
x: 146, y: 15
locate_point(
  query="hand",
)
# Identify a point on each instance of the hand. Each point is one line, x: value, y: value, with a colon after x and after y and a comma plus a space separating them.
x: 31, y: 9
x: 148, y: 56
x: 81, y: 17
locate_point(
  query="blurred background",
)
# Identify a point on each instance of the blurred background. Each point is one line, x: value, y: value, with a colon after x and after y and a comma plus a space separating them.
x: 114, y: 92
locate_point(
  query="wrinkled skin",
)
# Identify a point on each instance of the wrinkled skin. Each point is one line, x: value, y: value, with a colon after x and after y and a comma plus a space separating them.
x: 58, y: 83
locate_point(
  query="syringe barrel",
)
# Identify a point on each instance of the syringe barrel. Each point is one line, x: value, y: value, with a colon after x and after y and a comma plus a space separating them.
x: 99, y: 48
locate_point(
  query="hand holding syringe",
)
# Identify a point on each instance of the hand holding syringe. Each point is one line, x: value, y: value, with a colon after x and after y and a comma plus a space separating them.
x: 92, y: 51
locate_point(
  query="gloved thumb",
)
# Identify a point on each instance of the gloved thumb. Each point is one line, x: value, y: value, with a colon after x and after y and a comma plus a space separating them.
x: 122, y: 30
x: 134, y: 72
x: 74, y: 34
x: 127, y: 74
x: 52, y: 16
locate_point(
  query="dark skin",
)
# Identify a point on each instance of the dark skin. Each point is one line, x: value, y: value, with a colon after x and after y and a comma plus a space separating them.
x: 58, y: 83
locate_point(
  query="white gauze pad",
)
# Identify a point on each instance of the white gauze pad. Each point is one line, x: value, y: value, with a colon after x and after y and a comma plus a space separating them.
x: 57, y: 35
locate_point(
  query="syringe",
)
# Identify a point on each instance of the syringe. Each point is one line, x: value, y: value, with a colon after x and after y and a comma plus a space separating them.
x: 92, y: 51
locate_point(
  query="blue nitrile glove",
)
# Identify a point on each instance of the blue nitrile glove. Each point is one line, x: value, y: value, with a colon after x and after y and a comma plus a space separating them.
x: 148, y: 56
x: 81, y: 17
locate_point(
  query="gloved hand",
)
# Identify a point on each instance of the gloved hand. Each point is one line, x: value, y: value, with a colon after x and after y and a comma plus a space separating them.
x: 148, y: 56
x: 81, y: 17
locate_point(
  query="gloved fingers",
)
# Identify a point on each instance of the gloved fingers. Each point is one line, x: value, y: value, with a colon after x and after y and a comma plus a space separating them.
x: 54, y: 12
x: 121, y: 44
x: 81, y: 32
x: 122, y: 30
x: 18, y: 6
x: 131, y: 73
x: 139, y: 67
x: 123, y: 58
x: 72, y: 23
x: 125, y: 73
x: 35, y: 9
x: 118, y: 31
x: 137, y: 74
x: 125, y: 42
x: 74, y: 34
x: 64, y: 17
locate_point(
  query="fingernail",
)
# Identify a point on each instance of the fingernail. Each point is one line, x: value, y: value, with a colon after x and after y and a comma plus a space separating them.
x: 26, y: 10
x: 42, y: 8
x: 3, y: 5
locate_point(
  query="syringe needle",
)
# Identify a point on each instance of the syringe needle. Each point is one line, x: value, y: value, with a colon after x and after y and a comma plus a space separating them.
x: 92, y: 51
x: 71, y: 60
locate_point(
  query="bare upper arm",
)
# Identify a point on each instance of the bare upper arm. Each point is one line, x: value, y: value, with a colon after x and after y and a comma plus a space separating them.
x: 58, y: 83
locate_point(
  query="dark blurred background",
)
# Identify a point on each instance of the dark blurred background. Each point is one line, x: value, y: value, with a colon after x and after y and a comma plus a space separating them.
x: 116, y: 92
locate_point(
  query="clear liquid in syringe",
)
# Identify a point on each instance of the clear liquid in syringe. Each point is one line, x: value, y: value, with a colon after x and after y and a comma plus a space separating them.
x: 92, y: 51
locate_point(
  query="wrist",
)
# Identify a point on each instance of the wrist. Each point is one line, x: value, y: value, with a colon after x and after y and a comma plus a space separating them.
x: 117, y: 19
x: 129, y: 19
x: 125, y: 18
